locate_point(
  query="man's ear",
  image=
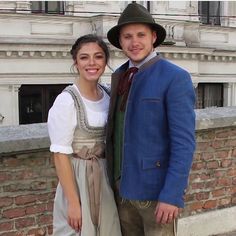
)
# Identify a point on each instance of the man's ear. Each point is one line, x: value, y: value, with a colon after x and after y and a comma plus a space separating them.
x: 154, y: 36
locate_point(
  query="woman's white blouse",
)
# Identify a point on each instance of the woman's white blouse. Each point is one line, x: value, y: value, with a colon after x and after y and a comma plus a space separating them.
x: 62, y: 119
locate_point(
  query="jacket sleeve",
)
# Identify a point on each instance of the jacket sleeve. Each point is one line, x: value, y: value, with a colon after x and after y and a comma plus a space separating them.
x: 180, y: 101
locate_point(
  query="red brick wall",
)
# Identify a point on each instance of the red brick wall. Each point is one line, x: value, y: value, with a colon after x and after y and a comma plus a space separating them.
x: 213, y: 176
x: 28, y: 182
x: 27, y: 187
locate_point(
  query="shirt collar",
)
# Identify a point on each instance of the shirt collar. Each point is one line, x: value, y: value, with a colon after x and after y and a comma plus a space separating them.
x: 149, y: 57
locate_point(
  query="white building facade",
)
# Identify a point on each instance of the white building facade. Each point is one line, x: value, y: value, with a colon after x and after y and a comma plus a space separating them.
x: 36, y: 37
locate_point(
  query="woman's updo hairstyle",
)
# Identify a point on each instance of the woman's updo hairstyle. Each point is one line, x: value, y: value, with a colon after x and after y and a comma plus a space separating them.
x: 89, y: 38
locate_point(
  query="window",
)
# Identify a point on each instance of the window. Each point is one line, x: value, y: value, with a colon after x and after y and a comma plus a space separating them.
x: 209, y: 95
x: 35, y: 102
x: 49, y: 7
x: 209, y: 12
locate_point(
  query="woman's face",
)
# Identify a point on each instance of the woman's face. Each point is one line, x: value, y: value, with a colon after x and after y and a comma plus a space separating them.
x: 90, y: 61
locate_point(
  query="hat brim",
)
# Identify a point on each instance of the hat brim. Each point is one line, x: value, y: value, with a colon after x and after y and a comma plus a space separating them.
x: 113, y: 33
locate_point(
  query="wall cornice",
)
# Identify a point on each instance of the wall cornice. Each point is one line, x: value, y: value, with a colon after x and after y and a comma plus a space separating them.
x: 62, y: 52
x: 186, y: 53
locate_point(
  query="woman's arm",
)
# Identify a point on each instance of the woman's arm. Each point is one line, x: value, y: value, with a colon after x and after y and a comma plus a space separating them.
x: 67, y: 181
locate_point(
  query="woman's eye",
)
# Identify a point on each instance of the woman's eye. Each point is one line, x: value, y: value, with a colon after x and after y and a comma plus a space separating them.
x: 99, y: 56
x: 83, y: 58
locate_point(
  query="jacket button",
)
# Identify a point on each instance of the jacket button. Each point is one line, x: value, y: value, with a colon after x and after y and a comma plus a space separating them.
x: 158, y: 164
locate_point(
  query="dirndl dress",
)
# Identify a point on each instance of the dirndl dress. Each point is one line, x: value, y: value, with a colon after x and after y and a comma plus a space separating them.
x: 99, y: 212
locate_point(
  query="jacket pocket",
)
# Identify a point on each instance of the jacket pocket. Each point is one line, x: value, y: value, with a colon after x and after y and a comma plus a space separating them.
x: 153, y: 163
x: 153, y: 172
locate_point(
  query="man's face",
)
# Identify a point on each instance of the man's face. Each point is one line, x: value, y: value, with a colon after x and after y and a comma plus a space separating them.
x: 136, y: 41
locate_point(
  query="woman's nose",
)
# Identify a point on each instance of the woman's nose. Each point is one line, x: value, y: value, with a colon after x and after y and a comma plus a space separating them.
x: 91, y: 61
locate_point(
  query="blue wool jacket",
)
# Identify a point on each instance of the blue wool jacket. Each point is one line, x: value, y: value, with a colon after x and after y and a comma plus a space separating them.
x: 159, y: 132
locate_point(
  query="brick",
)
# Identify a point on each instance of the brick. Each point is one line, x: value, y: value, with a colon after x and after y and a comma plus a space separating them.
x: 12, y: 162
x: 202, y: 146
x: 50, y: 229
x: 210, y: 184
x: 218, y: 144
x: 194, y: 177
x: 21, y: 200
x: 202, y: 196
x: 38, y: 185
x: 222, y: 134
x: 212, y: 164
x: 10, y: 234
x: 27, y: 174
x: 198, y: 185
x: 6, y: 201
x: 196, y: 206
x: 218, y: 192
x: 205, y: 176
x: 233, y: 142
x: 232, y: 172
x: 189, y: 197
x: 224, y: 201
x: 219, y: 173
x: 6, y: 226
x: 198, y: 165
x: 221, y: 154
x: 226, y: 163
x: 33, y: 159
x: 234, y: 153
x: 16, y: 187
x: 50, y: 172
x: 207, y: 156
x: 36, y: 209
x: 233, y: 190
x: 211, y: 204
x: 234, y: 200
x: 224, y: 181
x: 14, y: 213
x: 46, y: 197
x: 197, y: 156
x: 5, y: 176
x: 50, y: 206
x: 232, y: 132
x: 37, y: 232
x: 45, y: 219
x: 24, y: 222
x: 206, y: 135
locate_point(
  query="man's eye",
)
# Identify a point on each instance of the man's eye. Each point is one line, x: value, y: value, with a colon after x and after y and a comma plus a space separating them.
x: 141, y: 35
x: 127, y: 36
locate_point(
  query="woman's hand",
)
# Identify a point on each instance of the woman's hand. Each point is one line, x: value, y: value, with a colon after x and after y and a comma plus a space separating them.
x: 67, y: 179
x: 75, y: 216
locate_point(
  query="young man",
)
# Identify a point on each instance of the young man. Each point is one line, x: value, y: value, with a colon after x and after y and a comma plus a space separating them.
x: 151, y: 128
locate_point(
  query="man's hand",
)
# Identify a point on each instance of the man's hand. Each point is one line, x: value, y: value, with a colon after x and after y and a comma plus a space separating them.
x: 166, y: 213
x: 75, y: 216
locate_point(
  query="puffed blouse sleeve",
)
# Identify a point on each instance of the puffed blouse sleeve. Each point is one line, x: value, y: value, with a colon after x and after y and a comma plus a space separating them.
x: 61, y: 124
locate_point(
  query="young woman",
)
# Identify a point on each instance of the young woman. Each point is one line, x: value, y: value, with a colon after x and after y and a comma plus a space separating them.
x: 84, y: 203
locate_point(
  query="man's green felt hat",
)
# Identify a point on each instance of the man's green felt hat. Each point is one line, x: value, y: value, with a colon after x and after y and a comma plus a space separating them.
x: 135, y: 13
